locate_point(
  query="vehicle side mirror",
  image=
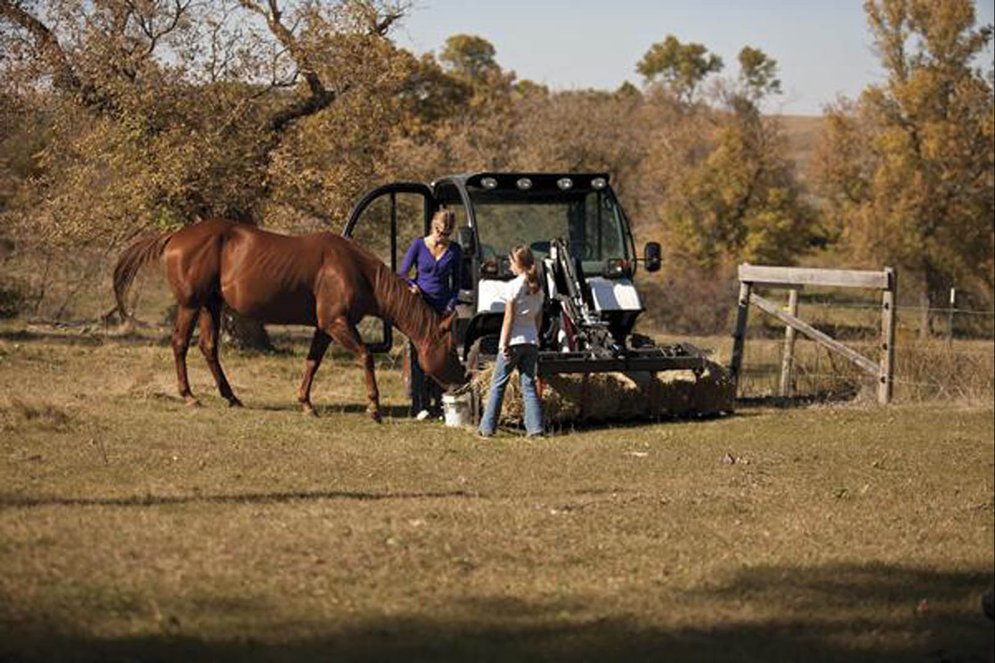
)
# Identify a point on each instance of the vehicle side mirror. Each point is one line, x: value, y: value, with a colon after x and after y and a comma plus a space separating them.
x: 467, y: 240
x: 651, y: 256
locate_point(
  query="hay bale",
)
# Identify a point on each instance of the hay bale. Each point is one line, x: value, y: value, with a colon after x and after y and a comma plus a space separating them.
x: 619, y: 396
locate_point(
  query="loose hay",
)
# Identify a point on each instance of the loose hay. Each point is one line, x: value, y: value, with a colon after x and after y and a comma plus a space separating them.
x: 619, y: 396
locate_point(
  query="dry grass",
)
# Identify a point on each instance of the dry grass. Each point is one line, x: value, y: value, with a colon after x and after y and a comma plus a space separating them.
x: 925, y: 371
x: 133, y: 528
x: 961, y: 372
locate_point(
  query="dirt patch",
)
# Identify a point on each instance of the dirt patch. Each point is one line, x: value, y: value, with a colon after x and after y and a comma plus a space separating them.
x: 15, y: 414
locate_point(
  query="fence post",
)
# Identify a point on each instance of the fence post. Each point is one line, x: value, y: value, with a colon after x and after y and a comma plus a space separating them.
x: 886, y: 376
x: 788, y: 358
x: 950, y: 316
x: 739, y: 335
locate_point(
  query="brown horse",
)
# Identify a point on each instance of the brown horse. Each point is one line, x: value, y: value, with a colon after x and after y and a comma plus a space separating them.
x: 321, y: 280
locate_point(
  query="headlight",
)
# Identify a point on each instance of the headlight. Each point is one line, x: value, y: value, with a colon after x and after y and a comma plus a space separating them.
x: 616, y: 268
x: 599, y: 183
x: 524, y: 183
x: 488, y: 183
x: 565, y: 183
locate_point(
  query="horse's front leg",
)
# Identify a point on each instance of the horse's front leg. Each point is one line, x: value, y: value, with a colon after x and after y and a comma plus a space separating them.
x: 346, y: 334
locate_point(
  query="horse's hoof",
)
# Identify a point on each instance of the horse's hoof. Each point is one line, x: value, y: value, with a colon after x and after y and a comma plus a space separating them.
x: 190, y: 401
x: 234, y: 402
x: 308, y: 410
x: 376, y: 416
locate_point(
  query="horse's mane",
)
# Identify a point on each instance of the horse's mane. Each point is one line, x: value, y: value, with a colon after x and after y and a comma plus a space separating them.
x: 405, y: 309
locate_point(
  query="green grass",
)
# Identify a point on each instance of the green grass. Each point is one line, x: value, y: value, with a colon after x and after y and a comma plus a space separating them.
x: 134, y: 528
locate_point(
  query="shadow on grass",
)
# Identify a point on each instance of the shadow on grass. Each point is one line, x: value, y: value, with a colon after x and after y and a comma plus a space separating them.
x: 93, y: 333
x: 26, y: 336
x: 824, y: 397
x: 847, y: 612
x: 19, y: 502
x: 329, y: 408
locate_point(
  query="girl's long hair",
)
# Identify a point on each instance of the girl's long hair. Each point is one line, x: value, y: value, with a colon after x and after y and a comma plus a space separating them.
x: 522, y: 255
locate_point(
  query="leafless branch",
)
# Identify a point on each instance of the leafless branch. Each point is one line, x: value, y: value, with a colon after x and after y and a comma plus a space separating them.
x: 379, y: 24
x: 320, y: 97
x: 64, y: 76
x: 147, y: 23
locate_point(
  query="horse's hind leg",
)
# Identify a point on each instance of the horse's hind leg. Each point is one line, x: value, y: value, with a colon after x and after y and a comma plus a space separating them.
x: 349, y: 337
x: 210, y: 331
x: 319, y: 344
x: 182, y: 331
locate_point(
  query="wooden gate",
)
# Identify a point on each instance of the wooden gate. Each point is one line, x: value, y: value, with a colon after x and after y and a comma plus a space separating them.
x: 796, y: 278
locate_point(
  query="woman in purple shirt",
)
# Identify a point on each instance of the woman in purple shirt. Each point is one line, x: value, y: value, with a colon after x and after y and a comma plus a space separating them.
x: 437, y: 263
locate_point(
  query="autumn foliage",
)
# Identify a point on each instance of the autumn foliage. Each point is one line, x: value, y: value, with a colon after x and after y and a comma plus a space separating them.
x: 119, y: 116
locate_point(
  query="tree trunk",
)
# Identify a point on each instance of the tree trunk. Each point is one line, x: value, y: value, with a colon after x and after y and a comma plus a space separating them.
x: 924, y: 322
x: 244, y: 333
x: 933, y: 287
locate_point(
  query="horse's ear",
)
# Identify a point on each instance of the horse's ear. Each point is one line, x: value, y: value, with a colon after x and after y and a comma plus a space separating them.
x: 446, y: 325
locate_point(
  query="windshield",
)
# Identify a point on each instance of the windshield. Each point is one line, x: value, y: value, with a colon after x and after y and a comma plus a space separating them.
x: 590, y: 221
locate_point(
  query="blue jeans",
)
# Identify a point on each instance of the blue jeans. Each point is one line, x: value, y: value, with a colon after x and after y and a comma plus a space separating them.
x: 524, y: 358
x: 425, y: 392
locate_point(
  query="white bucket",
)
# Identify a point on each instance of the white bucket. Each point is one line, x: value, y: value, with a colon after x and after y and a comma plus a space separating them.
x: 458, y: 409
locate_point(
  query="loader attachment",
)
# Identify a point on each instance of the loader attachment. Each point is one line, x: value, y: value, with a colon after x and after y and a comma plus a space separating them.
x: 656, y: 381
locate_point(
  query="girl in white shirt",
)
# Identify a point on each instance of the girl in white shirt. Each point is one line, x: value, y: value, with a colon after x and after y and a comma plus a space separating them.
x: 518, y: 345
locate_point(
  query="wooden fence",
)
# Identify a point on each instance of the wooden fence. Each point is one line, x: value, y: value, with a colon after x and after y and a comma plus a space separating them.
x: 794, y: 279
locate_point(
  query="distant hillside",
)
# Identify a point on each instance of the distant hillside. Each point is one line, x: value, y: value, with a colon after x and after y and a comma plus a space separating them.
x: 803, y: 133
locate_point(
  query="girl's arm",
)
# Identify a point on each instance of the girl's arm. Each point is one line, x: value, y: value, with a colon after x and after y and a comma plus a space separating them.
x: 509, y: 318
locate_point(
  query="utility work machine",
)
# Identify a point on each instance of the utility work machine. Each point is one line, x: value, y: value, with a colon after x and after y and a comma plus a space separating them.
x: 581, y: 240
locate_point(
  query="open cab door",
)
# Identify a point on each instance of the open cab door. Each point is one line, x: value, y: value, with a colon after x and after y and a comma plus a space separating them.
x: 385, y: 222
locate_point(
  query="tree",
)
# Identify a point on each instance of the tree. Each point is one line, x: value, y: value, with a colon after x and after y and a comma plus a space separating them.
x: 908, y: 168
x: 740, y: 200
x: 680, y: 67
x: 164, y: 111
x: 757, y: 74
x: 470, y: 57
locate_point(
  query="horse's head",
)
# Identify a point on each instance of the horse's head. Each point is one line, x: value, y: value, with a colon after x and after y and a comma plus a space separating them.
x: 438, y: 356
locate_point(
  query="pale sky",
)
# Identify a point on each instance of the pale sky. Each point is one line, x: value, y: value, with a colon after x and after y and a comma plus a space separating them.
x: 822, y: 46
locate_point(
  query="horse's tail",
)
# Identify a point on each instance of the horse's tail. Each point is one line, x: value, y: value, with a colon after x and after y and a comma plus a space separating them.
x: 145, y: 249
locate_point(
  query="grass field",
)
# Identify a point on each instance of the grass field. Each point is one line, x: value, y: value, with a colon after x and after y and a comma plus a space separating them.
x: 134, y: 528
